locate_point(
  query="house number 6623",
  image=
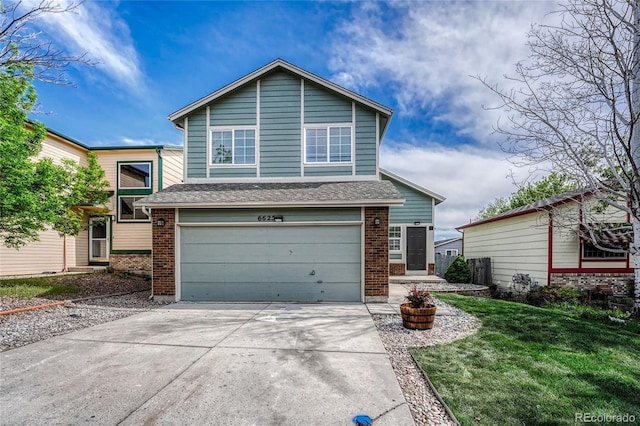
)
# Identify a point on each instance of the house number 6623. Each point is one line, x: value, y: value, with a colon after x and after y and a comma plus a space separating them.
x: 266, y: 219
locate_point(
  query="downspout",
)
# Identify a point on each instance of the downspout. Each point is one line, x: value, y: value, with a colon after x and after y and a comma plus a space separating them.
x: 160, y: 177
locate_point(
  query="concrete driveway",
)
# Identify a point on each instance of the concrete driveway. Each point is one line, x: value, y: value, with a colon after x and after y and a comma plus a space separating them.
x: 218, y: 364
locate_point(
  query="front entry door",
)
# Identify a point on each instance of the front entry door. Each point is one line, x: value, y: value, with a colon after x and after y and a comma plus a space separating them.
x: 98, y: 240
x: 416, y: 249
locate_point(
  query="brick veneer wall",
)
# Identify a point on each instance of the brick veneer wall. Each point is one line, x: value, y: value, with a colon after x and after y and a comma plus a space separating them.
x: 619, y: 282
x: 397, y: 269
x: 164, y: 254
x: 376, y: 255
x: 131, y: 262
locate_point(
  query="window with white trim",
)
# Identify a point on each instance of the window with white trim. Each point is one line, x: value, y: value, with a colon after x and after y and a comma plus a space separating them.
x: 395, y: 238
x: 328, y: 144
x: 451, y: 252
x: 233, y: 146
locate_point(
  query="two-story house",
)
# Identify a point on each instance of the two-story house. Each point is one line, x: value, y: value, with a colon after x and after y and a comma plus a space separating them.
x: 123, y: 241
x: 283, y: 198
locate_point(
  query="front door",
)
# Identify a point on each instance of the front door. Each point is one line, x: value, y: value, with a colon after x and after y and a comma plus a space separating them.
x: 416, y: 249
x: 99, y: 240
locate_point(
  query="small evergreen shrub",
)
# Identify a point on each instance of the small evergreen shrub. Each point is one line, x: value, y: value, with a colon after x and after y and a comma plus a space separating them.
x: 458, y: 271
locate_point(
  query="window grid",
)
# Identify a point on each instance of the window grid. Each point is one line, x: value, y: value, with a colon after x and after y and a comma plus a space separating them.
x: 237, y: 146
x: 330, y: 144
x: 395, y: 236
x: 589, y: 251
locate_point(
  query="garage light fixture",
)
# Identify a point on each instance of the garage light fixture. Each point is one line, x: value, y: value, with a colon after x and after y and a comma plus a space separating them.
x: 160, y: 222
x: 376, y: 221
x: 416, y: 223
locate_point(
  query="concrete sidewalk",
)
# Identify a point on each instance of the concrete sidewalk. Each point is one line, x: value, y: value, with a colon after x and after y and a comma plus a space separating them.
x: 231, y: 364
x: 397, y: 293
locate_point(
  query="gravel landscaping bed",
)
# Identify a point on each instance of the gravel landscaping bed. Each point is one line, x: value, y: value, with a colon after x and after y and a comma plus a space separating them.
x: 31, y: 326
x: 423, y: 403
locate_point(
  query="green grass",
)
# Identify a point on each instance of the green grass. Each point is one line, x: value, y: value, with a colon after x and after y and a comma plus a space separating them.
x: 28, y: 288
x: 534, y: 366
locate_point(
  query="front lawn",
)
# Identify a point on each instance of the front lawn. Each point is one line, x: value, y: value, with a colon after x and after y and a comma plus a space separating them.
x: 42, y: 287
x: 535, y: 366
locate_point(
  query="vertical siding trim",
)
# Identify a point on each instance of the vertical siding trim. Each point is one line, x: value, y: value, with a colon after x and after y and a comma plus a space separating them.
x: 176, y: 266
x: 362, y: 254
x: 378, y: 145
x: 207, y: 141
x: 184, y: 149
x: 353, y: 138
x: 302, y: 145
x: 258, y: 128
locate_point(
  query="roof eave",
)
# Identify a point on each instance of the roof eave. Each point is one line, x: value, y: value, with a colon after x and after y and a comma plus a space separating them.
x: 253, y: 204
x: 437, y: 197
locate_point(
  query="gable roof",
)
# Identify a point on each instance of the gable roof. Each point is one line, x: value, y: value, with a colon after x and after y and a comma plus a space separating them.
x: 543, y: 204
x: 221, y: 195
x: 447, y: 241
x: 437, y: 197
x: 274, y: 65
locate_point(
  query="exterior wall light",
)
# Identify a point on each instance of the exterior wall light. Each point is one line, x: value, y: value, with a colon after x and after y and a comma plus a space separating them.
x: 417, y: 222
x: 160, y: 222
x: 376, y: 221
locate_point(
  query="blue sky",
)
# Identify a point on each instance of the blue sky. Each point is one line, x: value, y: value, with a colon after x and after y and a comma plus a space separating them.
x: 154, y: 57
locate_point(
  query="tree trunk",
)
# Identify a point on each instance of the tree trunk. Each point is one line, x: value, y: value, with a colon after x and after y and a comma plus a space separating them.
x: 635, y: 152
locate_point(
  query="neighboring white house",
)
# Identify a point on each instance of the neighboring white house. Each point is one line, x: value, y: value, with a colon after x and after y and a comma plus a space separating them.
x: 547, y: 241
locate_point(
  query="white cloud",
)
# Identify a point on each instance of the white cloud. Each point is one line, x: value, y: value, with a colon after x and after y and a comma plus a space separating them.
x: 101, y: 34
x: 427, y: 53
x: 469, y: 178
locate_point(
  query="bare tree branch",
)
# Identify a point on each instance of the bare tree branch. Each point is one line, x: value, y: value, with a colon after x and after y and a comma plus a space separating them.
x: 22, y: 44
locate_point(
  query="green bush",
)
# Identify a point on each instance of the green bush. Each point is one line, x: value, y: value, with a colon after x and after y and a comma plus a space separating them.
x: 458, y: 271
x: 544, y: 295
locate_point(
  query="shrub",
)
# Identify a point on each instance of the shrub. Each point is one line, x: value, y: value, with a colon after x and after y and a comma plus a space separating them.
x: 420, y: 297
x: 552, y: 294
x: 458, y: 271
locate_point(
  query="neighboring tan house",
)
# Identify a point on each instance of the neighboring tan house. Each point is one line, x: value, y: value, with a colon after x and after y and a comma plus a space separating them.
x: 124, y: 241
x: 547, y: 241
x: 283, y: 198
x: 449, y: 247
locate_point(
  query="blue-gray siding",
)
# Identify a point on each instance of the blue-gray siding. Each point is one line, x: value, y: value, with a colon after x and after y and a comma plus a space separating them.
x: 366, y: 145
x: 251, y: 215
x: 280, y: 134
x: 197, y: 144
x: 321, y: 106
x: 280, y: 128
x: 271, y: 263
x: 236, y: 109
x: 417, y: 206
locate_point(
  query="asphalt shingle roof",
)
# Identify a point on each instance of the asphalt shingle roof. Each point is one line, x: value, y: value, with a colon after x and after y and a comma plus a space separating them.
x: 231, y: 194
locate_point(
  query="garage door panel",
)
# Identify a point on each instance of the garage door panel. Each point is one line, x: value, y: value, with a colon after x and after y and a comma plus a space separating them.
x: 270, y: 263
x: 328, y: 272
x: 273, y: 234
x: 272, y: 253
x: 276, y: 292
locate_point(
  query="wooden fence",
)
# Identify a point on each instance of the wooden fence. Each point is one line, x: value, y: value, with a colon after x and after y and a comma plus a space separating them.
x: 442, y: 263
x: 480, y: 270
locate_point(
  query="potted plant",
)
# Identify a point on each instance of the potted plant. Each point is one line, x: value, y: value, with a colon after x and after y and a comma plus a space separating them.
x: 419, y: 312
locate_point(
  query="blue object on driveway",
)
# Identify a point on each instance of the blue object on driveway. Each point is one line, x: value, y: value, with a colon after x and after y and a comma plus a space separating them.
x: 361, y: 420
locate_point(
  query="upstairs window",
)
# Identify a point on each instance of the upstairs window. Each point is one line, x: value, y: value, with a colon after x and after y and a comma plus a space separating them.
x: 331, y: 144
x: 233, y: 146
x: 134, y: 175
x: 395, y: 236
x: 451, y: 252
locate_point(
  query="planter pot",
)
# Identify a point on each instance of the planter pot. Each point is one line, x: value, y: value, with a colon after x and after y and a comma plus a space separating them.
x: 417, y: 318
